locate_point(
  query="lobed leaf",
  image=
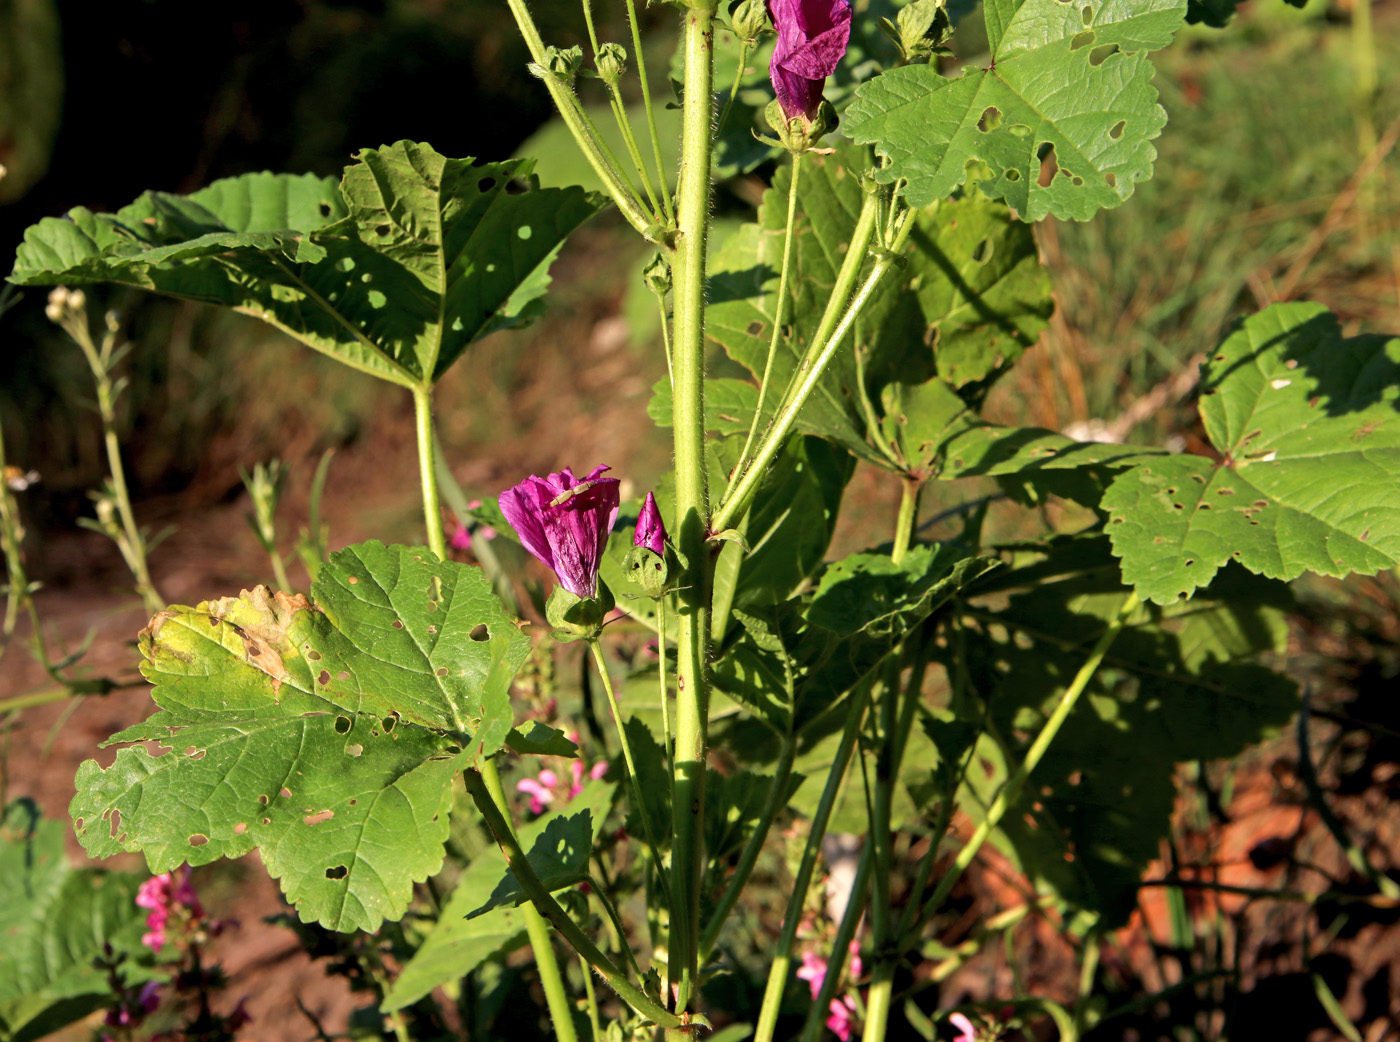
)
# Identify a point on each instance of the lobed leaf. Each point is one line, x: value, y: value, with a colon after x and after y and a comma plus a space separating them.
x: 1060, y: 123
x: 459, y: 249
x: 325, y: 734
x: 1309, y: 478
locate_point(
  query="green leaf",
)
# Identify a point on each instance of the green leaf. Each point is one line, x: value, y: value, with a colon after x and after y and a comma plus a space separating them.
x: 1310, y: 476
x: 459, y: 249
x: 1068, y: 79
x: 1179, y: 684
x: 971, y: 298
x: 55, y: 922
x: 559, y: 849
x: 541, y: 740
x: 654, y: 780
x: 326, y: 734
x: 464, y: 938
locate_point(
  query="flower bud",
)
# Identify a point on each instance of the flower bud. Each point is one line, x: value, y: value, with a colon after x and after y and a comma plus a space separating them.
x: 611, y: 63
x: 657, y: 275
x: 559, y: 63
x: 800, y: 133
x: 751, y: 19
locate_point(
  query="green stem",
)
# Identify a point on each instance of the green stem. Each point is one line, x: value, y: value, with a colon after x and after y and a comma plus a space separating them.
x: 777, y: 799
x: 10, y: 534
x: 777, y: 311
x: 630, y: 140
x: 134, y: 548
x: 692, y: 502
x: 782, y: 957
x: 632, y: 777
x: 651, y: 114
x: 588, y: 142
x: 595, y: 1027
x: 742, y: 491
x: 544, y: 902
x: 908, y: 515
x: 1012, y: 789
x: 745, y: 47
x: 427, y: 472
x: 489, y: 790
x: 836, y: 963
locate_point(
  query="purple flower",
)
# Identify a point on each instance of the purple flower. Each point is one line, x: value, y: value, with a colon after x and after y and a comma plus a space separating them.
x: 565, y: 523
x: 812, y: 37
x: 651, y: 531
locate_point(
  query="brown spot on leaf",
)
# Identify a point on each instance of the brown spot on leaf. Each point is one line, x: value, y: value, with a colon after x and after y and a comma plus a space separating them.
x: 318, y: 817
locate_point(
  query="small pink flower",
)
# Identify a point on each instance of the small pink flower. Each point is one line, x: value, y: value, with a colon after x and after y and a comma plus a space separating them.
x: 543, y: 788
x: 541, y: 794
x: 813, y: 971
x: 841, y: 1021
x: 461, y: 538
x: 966, y: 1032
x: 150, y: 996
x: 857, y: 967
x: 161, y: 895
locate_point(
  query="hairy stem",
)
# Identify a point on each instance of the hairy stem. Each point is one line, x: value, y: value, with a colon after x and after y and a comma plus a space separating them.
x: 692, y: 502
x: 588, y: 141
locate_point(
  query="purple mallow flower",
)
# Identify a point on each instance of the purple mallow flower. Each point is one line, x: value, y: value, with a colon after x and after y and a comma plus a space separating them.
x: 651, y: 531
x: 812, y: 37
x: 565, y: 523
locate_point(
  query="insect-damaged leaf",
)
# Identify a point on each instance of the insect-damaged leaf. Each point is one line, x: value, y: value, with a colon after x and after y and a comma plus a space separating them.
x: 1307, y: 425
x: 1061, y: 122
x: 394, y: 271
x: 324, y: 732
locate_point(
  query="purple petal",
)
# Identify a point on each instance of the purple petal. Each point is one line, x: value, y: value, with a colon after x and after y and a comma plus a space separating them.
x: 565, y: 523
x: 812, y: 37
x: 651, y: 530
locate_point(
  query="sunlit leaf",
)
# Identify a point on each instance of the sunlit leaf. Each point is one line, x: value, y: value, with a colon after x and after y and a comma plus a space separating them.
x: 1060, y: 123
x: 460, y: 250
x: 1309, y: 479
x: 325, y: 732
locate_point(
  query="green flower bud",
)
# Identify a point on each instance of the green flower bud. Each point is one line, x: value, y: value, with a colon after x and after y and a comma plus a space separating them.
x: 578, y: 618
x: 611, y: 62
x: 657, y: 275
x: 559, y: 64
x: 649, y: 570
x: 751, y: 19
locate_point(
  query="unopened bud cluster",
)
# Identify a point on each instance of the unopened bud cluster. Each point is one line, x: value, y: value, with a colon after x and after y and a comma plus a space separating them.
x: 919, y: 30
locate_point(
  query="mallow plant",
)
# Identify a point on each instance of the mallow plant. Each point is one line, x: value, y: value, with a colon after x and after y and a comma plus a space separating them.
x: 929, y: 696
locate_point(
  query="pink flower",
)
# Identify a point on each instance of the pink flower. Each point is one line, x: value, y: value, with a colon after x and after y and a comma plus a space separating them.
x: 842, y: 1016
x: 813, y: 971
x: 966, y: 1032
x: 162, y: 895
x: 857, y: 967
x: 565, y: 523
x: 812, y: 38
x: 543, y: 788
x: 461, y: 538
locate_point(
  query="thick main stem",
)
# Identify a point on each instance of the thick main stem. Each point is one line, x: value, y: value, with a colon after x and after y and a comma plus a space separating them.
x: 692, y: 503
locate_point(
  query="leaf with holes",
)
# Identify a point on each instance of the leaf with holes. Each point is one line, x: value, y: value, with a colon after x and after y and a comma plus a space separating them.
x: 1307, y: 426
x: 970, y: 299
x: 325, y: 732
x: 460, y: 251
x: 1060, y: 123
x: 56, y: 920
